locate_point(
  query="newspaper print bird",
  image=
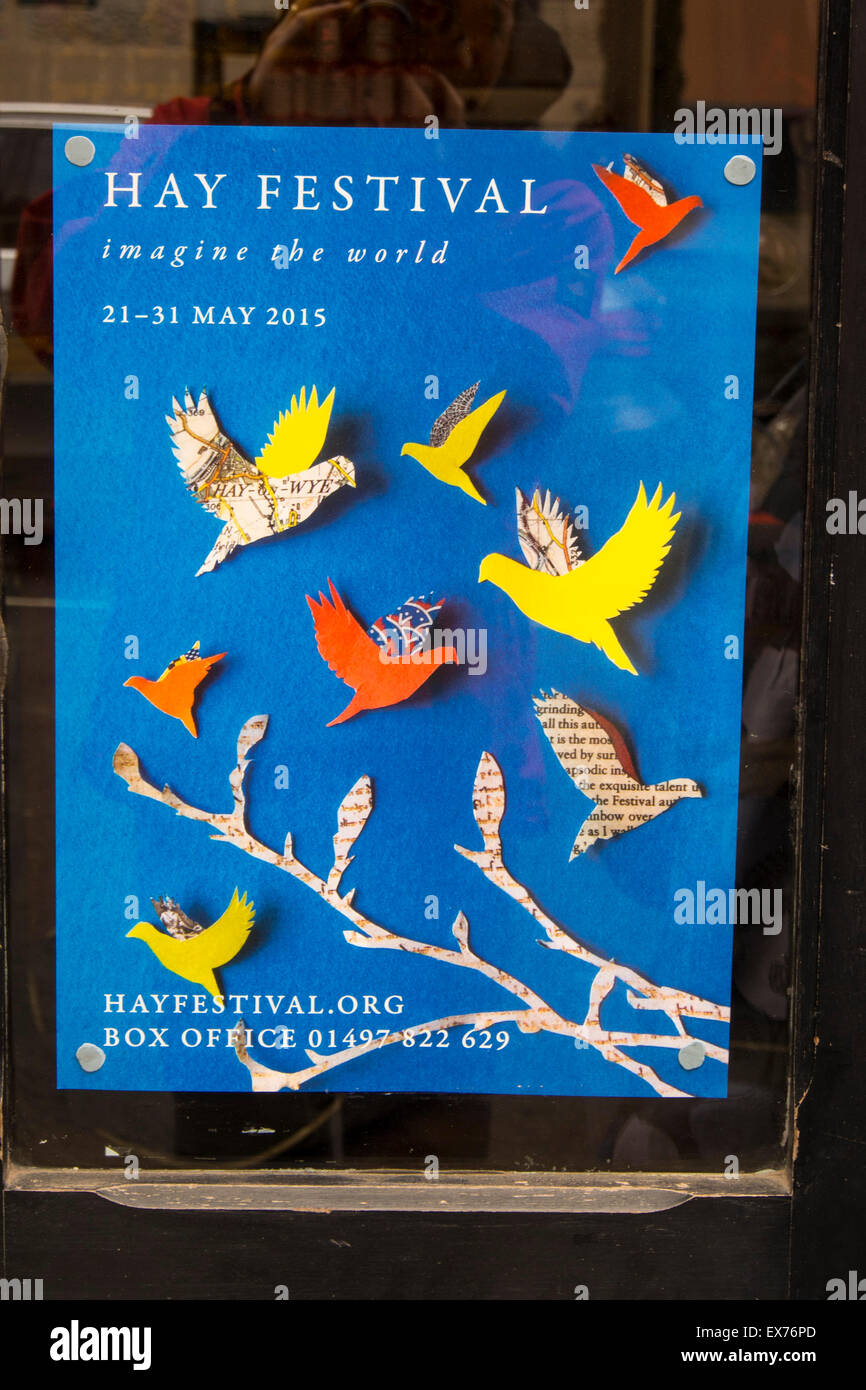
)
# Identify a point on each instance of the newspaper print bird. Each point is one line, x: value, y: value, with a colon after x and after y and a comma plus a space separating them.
x: 579, y: 597
x: 644, y: 202
x: 594, y: 754
x: 454, y: 438
x: 388, y: 663
x: 192, y: 951
x: 255, y: 499
x: 174, y: 693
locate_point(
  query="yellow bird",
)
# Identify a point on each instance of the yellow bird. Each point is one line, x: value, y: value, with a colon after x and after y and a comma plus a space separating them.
x: 453, y: 440
x: 188, y: 949
x: 579, y: 597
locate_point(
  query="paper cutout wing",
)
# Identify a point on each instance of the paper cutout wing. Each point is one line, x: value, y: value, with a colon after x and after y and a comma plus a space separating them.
x: 205, y: 455
x: 174, y: 920
x: 636, y: 173
x: 622, y: 573
x: 298, y: 436
x: 343, y: 644
x: 459, y: 408
x: 547, y: 535
x: 591, y: 750
x: 408, y: 629
x: 221, y: 942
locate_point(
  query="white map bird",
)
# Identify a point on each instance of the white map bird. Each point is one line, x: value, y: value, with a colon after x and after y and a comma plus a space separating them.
x: 275, y: 493
x: 596, y: 758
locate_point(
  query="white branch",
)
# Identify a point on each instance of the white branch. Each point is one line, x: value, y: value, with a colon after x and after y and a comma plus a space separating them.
x: 535, y: 1015
x: 489, y: 806
x: 351, y: 819
x: 527, y: 1020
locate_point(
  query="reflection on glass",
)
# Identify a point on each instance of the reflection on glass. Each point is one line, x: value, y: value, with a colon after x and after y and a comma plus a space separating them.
x: 471, y: 63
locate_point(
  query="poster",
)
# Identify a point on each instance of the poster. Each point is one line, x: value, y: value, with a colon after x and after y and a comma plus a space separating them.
x: 401, y: 509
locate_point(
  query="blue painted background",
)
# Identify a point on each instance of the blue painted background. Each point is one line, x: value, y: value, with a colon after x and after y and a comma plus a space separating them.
x: 610, y: 381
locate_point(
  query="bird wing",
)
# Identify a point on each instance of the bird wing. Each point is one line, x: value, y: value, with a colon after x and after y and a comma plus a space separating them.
x: 221, y: 942
x: 194, y: 654
x: 407, y: 630
x: 205, y: 455
x: 546, y: 534
x: 625, y: 569
x: 185, y: 677
x: 456, y: 411
x: 635, y: 202
x: 175, y: 921
x: 341, y: 640
x: 637, y: 174
x: 598, y: 754
x: 298, y: 436
x: 467, y: 432
x: 190, y: 655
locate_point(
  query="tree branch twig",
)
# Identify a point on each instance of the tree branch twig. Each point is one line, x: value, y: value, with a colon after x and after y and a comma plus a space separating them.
x: 535, y: 1015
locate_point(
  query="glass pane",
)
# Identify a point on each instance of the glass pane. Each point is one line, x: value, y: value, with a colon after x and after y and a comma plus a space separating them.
x: 503, y: 65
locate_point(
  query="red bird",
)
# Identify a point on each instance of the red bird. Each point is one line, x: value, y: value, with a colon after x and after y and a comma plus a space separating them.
x: 644, y: 202
x: 385, y: 665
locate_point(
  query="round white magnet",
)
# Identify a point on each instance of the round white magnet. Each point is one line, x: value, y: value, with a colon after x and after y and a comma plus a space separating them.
x: 740, y: 169
x: 79, y: 149
x: 90, y: 1057
x: 692, y: 1055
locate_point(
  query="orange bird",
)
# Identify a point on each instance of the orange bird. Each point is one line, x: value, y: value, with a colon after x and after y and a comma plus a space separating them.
x: 644, y: 202
x: 174, y: 693
x: 385, y: 665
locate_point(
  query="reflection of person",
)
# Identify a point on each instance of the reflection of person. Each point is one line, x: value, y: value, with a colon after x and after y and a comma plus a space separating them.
x: 351, y: 63
x: 396, y: 62
x: 356, y: 63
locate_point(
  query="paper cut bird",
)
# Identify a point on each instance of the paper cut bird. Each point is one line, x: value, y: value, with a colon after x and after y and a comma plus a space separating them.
x: 192, y: 951
x: 644, y: 202
x: 453, y: 440
x: 596, y: 758
x: 384, y: 665
x: 579, y: 597
x: 278, y: 491
x: 175, y: 691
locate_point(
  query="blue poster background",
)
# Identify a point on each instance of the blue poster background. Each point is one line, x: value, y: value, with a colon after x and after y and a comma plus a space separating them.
x: 611, y: 380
